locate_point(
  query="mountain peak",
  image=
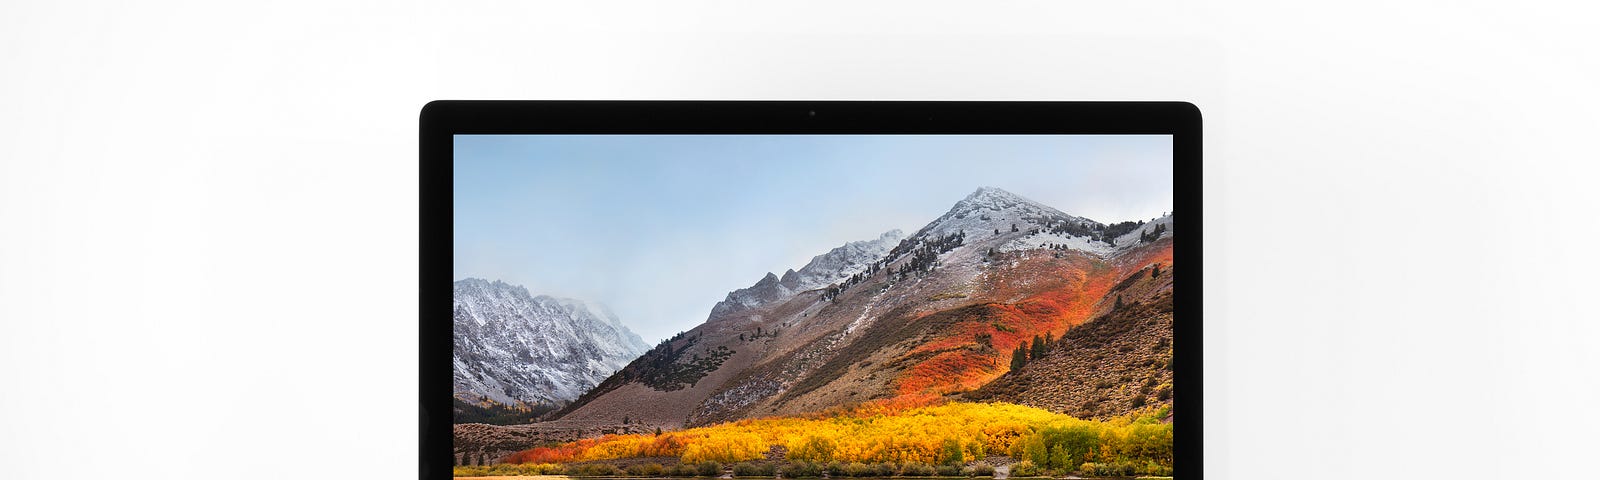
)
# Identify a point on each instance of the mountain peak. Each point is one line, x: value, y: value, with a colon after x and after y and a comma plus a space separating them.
x: 487, y: 286
x: 991, y: 198
x: 991, y: 208
x: 991, y: 192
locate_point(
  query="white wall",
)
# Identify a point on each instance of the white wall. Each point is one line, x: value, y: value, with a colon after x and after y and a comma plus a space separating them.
x: 208, y: 212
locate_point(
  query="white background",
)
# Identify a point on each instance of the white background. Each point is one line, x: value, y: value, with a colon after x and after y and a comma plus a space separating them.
x: 208, y: 210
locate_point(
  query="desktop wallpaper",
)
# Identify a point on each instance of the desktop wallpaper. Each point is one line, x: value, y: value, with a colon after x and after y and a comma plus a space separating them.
x: 800, y: 306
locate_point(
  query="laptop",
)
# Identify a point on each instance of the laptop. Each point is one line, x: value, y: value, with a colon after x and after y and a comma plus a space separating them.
x: 810, y: 289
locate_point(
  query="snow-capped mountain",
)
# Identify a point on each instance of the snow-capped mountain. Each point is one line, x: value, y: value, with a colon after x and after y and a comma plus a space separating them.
x: 994, y: 218
x: 992, y: 211
x: 991, y: 208
x: 935, y: 312
x: 512, y: 347
x: 823, y: 270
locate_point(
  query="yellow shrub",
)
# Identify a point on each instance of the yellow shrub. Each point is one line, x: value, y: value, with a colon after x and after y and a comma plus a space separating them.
x: 813, y: 448
x: 725, y: 448
x: 929, y: 434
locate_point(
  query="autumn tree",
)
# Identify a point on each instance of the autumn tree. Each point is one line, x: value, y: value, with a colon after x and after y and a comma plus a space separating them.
x: 950, y: 452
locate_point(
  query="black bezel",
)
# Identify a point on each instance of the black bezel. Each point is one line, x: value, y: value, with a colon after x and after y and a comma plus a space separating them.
x: 441, y: 120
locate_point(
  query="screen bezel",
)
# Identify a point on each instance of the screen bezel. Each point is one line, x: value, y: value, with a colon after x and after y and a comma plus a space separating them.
x: 441, y: 120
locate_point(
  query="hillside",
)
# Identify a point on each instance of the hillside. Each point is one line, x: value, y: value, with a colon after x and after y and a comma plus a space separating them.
x: 1116, y: 363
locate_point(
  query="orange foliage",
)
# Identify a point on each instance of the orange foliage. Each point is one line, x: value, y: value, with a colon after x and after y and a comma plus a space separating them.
x: 950, y: 372
x: 569, y: 452
x: 886, y: 407
x: 955, y: 366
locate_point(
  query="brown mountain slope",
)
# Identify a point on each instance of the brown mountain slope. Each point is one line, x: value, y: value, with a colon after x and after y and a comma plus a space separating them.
x: 1115, y: 364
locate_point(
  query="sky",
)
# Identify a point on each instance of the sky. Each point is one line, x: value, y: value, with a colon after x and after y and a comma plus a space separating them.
x: 659, y: 228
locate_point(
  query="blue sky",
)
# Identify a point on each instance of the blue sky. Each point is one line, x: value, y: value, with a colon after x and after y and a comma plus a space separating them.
x: 660, y: 228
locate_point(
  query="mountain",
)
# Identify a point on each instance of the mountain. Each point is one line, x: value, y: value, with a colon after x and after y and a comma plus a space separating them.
x: 935, y: 313
x: 513, y: 348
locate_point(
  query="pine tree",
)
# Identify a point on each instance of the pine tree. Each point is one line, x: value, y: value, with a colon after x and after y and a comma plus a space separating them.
x: 1019, y: 357
x: 1038, y: 348
x: 1155, y: 272
x: 1118, y: 306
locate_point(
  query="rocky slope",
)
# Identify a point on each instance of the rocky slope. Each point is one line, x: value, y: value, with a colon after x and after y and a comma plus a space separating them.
x: 1118, y: 362
x: 514, y: 348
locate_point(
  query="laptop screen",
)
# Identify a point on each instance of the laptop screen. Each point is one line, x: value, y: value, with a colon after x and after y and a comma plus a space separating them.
x: 809, y: 305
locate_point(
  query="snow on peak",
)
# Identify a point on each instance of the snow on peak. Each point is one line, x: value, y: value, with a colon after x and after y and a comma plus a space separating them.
x: 823, y: 270
x: 513, y: 347
x: 987, y: 193
x: 997, y: 200
x: 844, y: 261
x: 989, y: 209
x: 1005, y: 221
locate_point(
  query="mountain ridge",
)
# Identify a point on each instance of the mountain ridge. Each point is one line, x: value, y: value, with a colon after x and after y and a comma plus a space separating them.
x: 515, y: 348
x: 827, y: 268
